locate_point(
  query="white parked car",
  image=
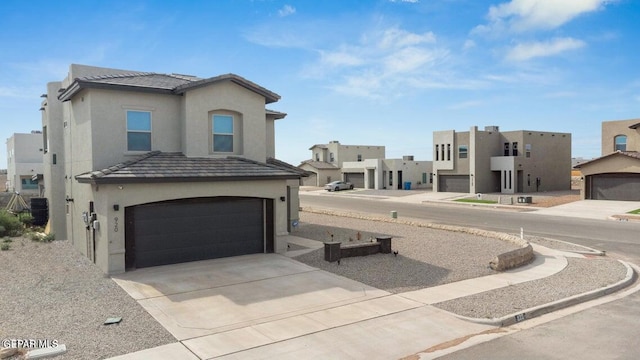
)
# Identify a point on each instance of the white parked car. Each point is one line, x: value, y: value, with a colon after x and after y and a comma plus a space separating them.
x: 338, y: 185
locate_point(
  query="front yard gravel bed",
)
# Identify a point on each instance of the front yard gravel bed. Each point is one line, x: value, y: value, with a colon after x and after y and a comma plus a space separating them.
x: 50, y: 291
x: 581, y: 275
x: 426, y: 257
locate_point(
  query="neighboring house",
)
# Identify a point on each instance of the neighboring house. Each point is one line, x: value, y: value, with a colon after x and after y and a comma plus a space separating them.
x: 327, y: 160
x: 507, y: 162
x: 145, y: 169
x: 24, y: 163
x: 405, y: 173
x: 616, y: 174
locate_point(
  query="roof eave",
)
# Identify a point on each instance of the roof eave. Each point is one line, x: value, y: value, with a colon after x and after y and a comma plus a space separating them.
x: 155, y: 180
x: 78, y: 85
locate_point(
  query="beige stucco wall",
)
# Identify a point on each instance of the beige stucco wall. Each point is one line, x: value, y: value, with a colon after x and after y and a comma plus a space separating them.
x: 620, y: 127
x: 411, y: 172
x: 54, y: 172
x: 109, y: 116
x: 612, y: 164
x: 346, y: 153
x: 200, y: 103
x: 24, y: 159
x: 322, y: 175
x: 110, y: 238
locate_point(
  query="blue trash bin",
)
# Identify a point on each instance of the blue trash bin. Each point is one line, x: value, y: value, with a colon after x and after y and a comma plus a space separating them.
x: 407, y: 185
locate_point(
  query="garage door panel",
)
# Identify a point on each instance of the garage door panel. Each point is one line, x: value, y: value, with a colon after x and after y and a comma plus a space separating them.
x: 197, y: 229
x: 357, y: 179
x: 454, y: 183
x: 622, y: 186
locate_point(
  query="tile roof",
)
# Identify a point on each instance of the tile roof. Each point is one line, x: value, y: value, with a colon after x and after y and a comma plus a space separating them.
x: 161, y: 83
x: 159, y: 166
x: 635, y: 126
x: 287, y: 166
x: 631, y: 154
x: 320, y: 165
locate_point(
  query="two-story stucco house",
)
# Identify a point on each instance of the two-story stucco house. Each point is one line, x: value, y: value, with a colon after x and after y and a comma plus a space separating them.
x: 24, y: 163
x: 509, y: 162
x: 327, y: 159
x: 616, y: 174
x: 145, y: 169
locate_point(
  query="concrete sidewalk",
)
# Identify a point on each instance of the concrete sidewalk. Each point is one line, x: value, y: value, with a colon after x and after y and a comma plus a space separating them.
x: 378, y: 325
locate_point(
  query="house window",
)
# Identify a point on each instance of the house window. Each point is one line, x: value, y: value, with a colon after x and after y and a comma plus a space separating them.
x: 331, y: 158
x: 138, y: 130
x: 527, y: 150
x: 29, y: 184
x: 317, y: 157
x: 448, y: 152
x: 437, y: 152
x: 462, y: 151
x: 424, y: 178
x: 430, y: 178
x: 359, y: 157
x: 620, y: 143
x: 390, y: 178
x: 45, y: 141
x: 222, y: 126
x: 442, y: 152
x: 514, y: 147
x: 506, y: 149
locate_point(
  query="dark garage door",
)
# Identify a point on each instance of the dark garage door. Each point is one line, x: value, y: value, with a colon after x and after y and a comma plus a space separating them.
x: 453, y: 183
x: 614, y: 187
x: 357, y: 179
x: 195, y: 229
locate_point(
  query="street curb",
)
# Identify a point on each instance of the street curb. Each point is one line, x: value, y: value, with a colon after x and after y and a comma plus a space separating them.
x: 536, y: 311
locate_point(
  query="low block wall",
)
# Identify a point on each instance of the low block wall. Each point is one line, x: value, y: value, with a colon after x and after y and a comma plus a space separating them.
x: 334, y: 251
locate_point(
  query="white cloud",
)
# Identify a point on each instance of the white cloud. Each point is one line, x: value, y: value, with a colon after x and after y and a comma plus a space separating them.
x: 525, y: 15
x: 381, y: 63
x: 526, y: 51
x: 468, y: 44
x: 286, y: 11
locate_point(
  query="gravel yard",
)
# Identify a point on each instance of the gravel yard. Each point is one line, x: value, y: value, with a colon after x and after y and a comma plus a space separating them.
x: 427, y: 257
x: 580, y: 276
x: 430, y: 257
x: 50, y: 291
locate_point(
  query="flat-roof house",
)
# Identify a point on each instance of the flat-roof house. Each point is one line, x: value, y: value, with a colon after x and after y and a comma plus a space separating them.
x: 327, y: 159
x: 24, y: 163
x: 507, y: 162
x: 405, y: 173
x: 146, y: 169
x: 616, y: 174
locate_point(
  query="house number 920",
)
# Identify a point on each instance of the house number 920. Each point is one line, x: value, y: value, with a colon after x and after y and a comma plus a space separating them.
x: 115, y: 224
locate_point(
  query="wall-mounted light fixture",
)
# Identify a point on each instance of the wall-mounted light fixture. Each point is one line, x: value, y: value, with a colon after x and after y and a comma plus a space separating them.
x: 68, y: 199
x: 282, y: 198
x: 116, y: 207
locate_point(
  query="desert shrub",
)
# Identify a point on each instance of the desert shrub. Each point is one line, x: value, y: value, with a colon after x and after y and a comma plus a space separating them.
x: 7, y: 239
x: 5, y: 246
x: 49, y: 237
x: 11, y: 224
x: 26, y: 219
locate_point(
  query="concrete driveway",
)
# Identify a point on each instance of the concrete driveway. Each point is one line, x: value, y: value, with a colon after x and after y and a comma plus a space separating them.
x: 260, y: 305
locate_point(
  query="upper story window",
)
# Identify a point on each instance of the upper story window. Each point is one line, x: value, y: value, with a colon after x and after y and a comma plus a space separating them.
x: 359, y: 157
x: 620, y: 142
x: 138, y: 130
x: 331, y: 158
x: 506, y: 149
x: 222, y: 133
x: 437, y: 152
x: 317, y: 157
x: 463, y: 151
x: 448, y: 152
x: 514, y: 148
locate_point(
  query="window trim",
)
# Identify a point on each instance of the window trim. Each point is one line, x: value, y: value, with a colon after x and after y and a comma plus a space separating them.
x: 465, y: 152
x: 615, y: 142
x: 150, y: 131
x: 232, y: 134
